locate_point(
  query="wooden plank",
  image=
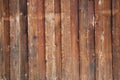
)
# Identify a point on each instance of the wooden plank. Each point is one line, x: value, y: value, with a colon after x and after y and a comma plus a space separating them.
x: 70, y: 55
x: 6, y: 38
x: 66, y: 40
x: 2, y: 56
x: 86, y: 27
x: 18, y: 40
x: 23, y: 40
x: 57, y: 23
x: 41, y: 40
x: 74, y: 16
x: 116, y: 38
x: 50, y: 40
x: 33, y: 39
x: 103, y: 40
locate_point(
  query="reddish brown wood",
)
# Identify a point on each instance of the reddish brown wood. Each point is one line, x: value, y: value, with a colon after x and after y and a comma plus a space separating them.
x: 86, y: 27
x: 18, y: 40
x: 70, y: 55
x: 33, y: 39
x: 74, y: 16
x: 50, y: 40
x: 6, y: 38
x: 41, y: 40
x: 2, y: 57
x: 103, y: 40
x: 116, y: 38
x: 57, y: 23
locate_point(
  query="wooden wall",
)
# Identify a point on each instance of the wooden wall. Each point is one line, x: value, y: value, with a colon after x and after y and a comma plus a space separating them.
x: 59, y: 39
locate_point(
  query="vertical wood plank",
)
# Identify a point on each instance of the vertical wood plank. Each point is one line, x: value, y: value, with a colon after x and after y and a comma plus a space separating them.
x: 103, y: 39
x: 41, y: 40
x: 116, y: 38
x: 14, y: 40
x: 50, y: 40
x: 74, y: 16
x: 6, y: 38
x: 2, y: 56
x: 33, y: 39
x: 66, y: 40
x: 18, y: 42
x: 23, y: 40
x: 57, y: 23
x: 70, y: 55
x: 87, y: 54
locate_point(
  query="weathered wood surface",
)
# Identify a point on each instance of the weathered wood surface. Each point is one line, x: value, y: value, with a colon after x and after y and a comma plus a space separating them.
x: 2, y: 57
x: 86, y: 39
x: 103, y: 40
x: 116, y: 38
x: 33, y: 39
x: 50, y: 40
x: 18, y: 40
x: 70, y: 54
x: 41, y: 39
x: 59, y: 40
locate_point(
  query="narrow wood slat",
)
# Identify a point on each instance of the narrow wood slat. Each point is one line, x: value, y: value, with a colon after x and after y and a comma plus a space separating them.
x: 33, y: 39
x: 6, y: 38
x: 41, y: 40
x: 57, y: 23
x: 2, y: 56
x: 74, y: 16
x: 86, y: 27
x: 50, y: 40
x: 103, y: 40
x: 66, y: 40
x: 70, y: 55
x: 18, y: 40
x: 116, y: 38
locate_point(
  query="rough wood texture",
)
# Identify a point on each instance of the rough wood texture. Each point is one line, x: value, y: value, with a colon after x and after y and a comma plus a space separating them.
x: 74, y: 38
x: 103, y: 40
x: 116, y: 38
x: 2, y: 57
x: 59, y: 40
x: 86, y: 33
x: 6, y: 38
x: 50, y: 40
x: 41, y: 40
x: 57, y: 23
x: 70, y: 55
x: 18, y: 40
x: 66, y: 40
x: 33, y: 39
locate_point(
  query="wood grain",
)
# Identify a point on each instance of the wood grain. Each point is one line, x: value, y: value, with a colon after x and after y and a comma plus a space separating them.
x: 50, y: 40
x: 57, y: 23
x: 116, y: 38
x: 18, y: 40
x: 70, y: 55
x: 33, y: 39
x: 2, y: 56
x: 86, y: 35
x: 41, y: 39
x: 103, y: 40
x: 6, y: 38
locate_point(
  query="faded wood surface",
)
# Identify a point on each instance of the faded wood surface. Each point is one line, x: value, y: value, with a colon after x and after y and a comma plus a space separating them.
x: 18, y: 40
x: 103, y: 40
x: 116, y: 38
x: 50, y: 40
x: 2, y: 57
x: 59, y: 40
x: 86, y: 40
x: 41, y: 39
x: 33, y: 39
